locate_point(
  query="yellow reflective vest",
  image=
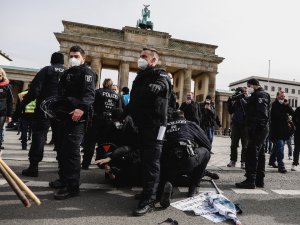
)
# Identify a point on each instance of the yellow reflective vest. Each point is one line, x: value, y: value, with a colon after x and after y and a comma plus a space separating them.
x: 29, y: 108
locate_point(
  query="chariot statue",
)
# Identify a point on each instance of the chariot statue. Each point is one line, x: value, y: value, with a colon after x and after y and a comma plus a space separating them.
x: 143, y: 23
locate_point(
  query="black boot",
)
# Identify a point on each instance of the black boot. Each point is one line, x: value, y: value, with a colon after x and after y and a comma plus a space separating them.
x: 246, y: 184
x: 193, y: 190
x: 31, y: 171
x: 24, y: 146
x: 165, y: 199
x: 259, y: 182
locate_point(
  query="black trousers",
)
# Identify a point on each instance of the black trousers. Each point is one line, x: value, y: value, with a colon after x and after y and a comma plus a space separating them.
x: 2, y: 121
x: 194, y: 167
x: 96, y: 133
x: 40, y: 127
x: 255, y: 154
x: 297, y: 148
x: 68, y: 139
x: 150, y: 149
x: 238, y: 132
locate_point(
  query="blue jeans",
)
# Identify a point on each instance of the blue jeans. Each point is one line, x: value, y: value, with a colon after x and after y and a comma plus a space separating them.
x: 289, y: 144
x: 279, y: 148
x: 210, y: 133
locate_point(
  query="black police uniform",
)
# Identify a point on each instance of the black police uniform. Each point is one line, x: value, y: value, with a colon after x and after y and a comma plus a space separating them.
x: 257, y: 121
x: 44, y: 85
x: 186, y: 151
x: 148, y: 109
x: 105, y: 101
x: 77, y: 84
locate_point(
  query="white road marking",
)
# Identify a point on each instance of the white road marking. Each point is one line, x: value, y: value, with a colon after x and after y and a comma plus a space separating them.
x: 249, y: 191
x: 287, y: 192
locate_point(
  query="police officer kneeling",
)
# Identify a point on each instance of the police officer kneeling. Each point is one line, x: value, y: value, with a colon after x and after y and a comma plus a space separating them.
x: 185, y: 152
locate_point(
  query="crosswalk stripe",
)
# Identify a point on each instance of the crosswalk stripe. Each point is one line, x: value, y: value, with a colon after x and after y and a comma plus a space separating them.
x: 95, y: 186
x: 120, y: 193
x: 249, y: 191
x: 287, y: 192
x: 2, y: 182
x: 201, y: 189
x: 37, y: 193
x: 37, y: 184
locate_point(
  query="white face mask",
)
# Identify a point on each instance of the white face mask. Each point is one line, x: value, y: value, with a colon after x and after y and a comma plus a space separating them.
x: 142, y: 63
x: 74, y: 62
x: 281, y: 101
x: 250, y: 90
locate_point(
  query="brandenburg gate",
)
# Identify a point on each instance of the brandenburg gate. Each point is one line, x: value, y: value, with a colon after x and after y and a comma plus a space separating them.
x: 120, y: 49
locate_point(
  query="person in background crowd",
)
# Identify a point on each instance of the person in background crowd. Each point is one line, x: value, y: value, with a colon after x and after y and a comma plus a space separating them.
x: 280, y: 131
x: 296, y: 121
x: 26, y: 116
x: 191, y: 109
x: 148, y: 107
x: 125, y: 95
x: 237, y: 107
x: 290, y: 148
x: 77, y: 85
x: 114, y: 88
x: 43, y: 85
x: 6, y: 103
x: 257, y: 122
x: 173, y: 105
x: 209, y: 118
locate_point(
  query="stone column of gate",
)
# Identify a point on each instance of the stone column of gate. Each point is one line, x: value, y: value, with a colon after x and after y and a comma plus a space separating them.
x: 96, y: 66
x: 211, y: 85
x: 219, y: 108
x: 187, y: 79
x: 66, y: 60
x: 123, y: 74
x: 25, y: 85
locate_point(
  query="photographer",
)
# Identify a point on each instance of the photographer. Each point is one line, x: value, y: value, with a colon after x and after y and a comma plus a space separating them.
x: 236, y: 107
x: 209, y: 118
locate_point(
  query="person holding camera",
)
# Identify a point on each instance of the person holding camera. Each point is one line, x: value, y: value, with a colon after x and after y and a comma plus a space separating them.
x: 280, y: 130
x: 191, y: 109
x: 237, y: 108
x: 209, y: 117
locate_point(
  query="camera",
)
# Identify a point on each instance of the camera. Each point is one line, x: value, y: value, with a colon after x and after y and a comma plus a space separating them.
x: 239, y: 94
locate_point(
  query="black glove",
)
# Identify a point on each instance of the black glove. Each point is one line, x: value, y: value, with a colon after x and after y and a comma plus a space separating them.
x: 155, y: 88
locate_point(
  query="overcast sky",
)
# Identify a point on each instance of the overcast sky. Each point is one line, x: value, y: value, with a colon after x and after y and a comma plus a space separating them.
x: 248, y: 33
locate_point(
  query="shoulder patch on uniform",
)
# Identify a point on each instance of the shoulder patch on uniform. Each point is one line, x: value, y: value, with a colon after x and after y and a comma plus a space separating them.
x: 163, y: 75
x: 260, y: 100
x: 88, y: 78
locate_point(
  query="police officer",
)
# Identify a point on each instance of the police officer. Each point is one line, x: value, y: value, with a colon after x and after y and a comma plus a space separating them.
x: 44, y: 85
x: 257, y: 122
x: 77, y: 84
x: 186, y: 151
x: 106, y: 100
x: 148, y: 107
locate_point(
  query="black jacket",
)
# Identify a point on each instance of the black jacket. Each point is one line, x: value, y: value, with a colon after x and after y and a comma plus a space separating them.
x: 258, y: 109
x: 6, y: 100
x: 279, y: 118
x: 78, y: 85
x: 105, y: 101
x: 192, y: 112
x: 209, y: 117
x: 183, y: 130
x: 296, y: 121
x: 238, y: 110
x: 44, y: 85
x: 146, y: 108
